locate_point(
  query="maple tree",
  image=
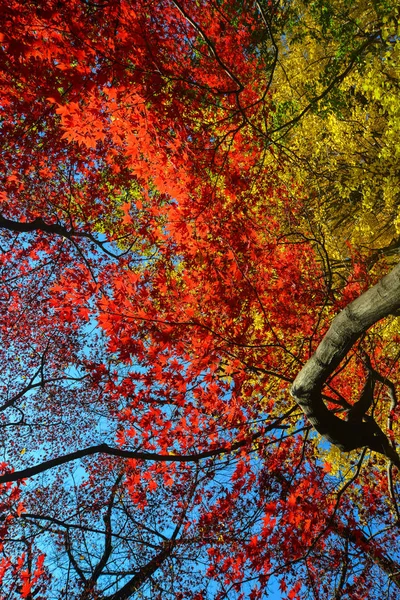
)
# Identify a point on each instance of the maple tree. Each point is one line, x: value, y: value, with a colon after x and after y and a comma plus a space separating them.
x: 187, y: 316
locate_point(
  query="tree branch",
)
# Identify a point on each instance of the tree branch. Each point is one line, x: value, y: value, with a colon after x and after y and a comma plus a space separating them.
x: 375, y: 304
x: 140, y: 455
x: 357, y: 538
x: 106, y: 449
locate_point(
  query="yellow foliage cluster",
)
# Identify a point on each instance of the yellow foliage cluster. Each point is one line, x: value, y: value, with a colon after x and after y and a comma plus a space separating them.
x: 343, y: 143
x: 335, y: 120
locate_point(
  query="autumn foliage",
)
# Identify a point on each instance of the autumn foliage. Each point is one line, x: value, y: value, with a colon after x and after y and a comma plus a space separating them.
x: 190, y: 191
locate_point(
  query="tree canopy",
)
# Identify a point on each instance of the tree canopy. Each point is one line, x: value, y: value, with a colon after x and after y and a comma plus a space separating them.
x: 200, y: 299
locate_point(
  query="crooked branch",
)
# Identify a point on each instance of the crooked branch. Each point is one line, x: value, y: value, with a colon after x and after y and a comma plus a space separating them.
x: 347, y: 327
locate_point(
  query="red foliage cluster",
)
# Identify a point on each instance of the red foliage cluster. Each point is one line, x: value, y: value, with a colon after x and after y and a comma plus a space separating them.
x: 159, y: 295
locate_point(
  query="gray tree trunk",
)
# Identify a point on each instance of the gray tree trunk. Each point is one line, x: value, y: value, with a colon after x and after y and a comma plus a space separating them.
x: 376, y: 303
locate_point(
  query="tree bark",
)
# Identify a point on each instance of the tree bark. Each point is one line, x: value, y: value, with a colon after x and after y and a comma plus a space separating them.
x: 375, y: 304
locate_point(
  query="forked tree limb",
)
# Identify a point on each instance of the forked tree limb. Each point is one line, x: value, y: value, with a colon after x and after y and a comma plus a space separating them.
x: 382, y: 559
x: 373, y: 305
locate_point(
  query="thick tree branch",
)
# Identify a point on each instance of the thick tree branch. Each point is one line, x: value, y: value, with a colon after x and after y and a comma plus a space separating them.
x: 141, y: 455
x: 36, y: 224
x: 39, y: 224
x: 106, y: 449
x: 375, y: 304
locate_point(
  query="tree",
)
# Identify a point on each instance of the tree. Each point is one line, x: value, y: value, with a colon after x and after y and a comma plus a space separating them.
x: 198, y: 375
